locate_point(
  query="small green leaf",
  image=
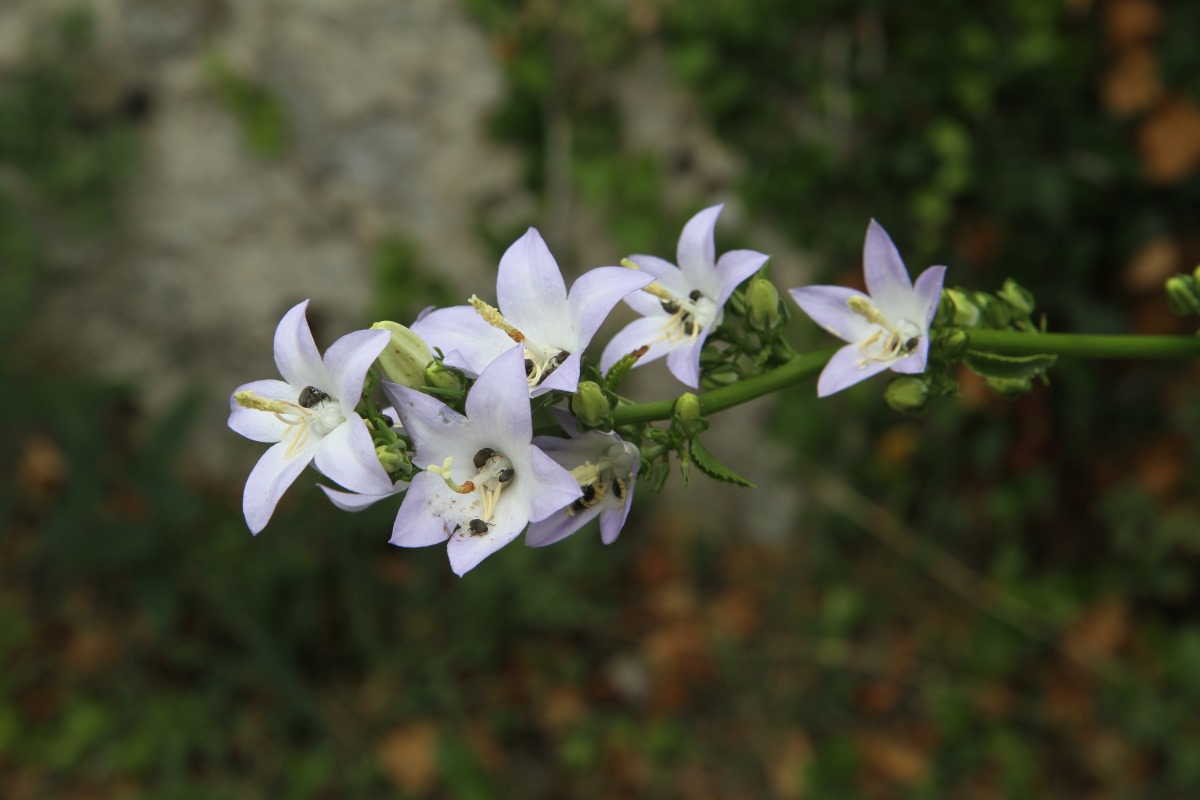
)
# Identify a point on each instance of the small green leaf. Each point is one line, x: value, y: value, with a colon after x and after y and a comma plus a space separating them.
x: 1018, y: 368
x: 712, y: 468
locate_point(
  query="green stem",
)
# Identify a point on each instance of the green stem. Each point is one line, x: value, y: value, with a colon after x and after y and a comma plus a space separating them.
x: 800, y: 368
x: 1016, y: 343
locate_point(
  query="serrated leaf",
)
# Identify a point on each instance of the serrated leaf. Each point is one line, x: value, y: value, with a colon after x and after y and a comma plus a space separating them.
x: 1010, y: 368
x: 714, y: 469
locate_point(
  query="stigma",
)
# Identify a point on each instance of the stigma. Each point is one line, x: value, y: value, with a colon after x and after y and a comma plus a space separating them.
x: 890, y: 341
x: 314, y: 412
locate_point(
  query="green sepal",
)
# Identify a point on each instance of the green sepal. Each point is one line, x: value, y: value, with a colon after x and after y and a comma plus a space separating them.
x: 1009, y: 368
x: 620, y: 369
x: 714, y: 469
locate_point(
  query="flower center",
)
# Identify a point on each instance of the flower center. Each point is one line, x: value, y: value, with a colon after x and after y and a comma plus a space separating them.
x: 540, y: 360
x: 314, y: 412
x: 889, y: 341
x: 608, y: 476
x: 688, y: 316
x: 493, y: 473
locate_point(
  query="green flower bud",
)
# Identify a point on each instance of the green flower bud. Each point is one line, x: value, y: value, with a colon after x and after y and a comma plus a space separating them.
x: 687, y: 407
x: 1182, y: 295
x: 995, y: 313
x: 1196, y: 272
x: 908, y: 395
x: 762, y: 304
x: 438, y: 376
x: 403, y: 360
x: 953, y: 343
x: 966, y: 312
x: 1018, y: 297
x: 590, y: 406
x: 1009, y: 388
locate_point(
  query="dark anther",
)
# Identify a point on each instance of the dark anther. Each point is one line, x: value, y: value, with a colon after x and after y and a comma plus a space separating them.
x: 688, y: 328
x: 578, y: 506
x: 478, y: 527
x: 311, y: 396
x: 561, y: 356
x: 670, y: 306
x: 911, y: 344
x: 618, y: 489
x: 482, y: 456
x: 696, y: 294
x: 528, y: 367
x: 506, y: 474
x: 589, y: 493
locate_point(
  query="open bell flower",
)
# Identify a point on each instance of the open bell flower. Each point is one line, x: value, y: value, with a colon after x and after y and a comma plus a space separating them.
x: 309, y: 416
x: 535, y: 309
x: 684, y: 303
x: 887, y: 328
x: 604, y: 466
x: 485, y: 479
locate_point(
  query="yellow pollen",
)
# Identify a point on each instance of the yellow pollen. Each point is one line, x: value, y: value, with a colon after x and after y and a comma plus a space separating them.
x: 492, y: 316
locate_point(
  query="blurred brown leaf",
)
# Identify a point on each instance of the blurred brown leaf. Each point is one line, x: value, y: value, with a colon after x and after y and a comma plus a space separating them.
x: 1101, y: 631
x: 895, y: 760
x: 1132, y: 83
x: 1130, y: 22
x: 1169, y: 141
x: 788, y: 765
x: 408, y: 756
x: 1154, y: 262
x: 41, y: 468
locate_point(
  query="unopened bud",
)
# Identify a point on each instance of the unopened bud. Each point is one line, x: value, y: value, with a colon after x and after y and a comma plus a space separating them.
x: 908, y: 395
x: 966, y: 313
x: 762, y: 304
x: 590, y: 406
x: 953, y: 343
x: 404, y: 359
x: 1018, y: 297
x: 1182, y: 295
x: 687, y: 407
x: 438, y: 376
x: 996, y: 314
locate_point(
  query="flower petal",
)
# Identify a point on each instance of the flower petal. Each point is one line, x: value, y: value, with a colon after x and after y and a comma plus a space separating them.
x: 558, y: 526
x: 416, y: 523
x: 827, y: 305
x: 684, y: 359
x: 460, y: 329
x: 347, y: 455
x: 669, y: 276
x: 498, y: 403
x: 269, y: 479
x: 613, y: 519
x: 596, y: 293
x: 435, y: 428
x: 735, y: 267
x: 556, y: 488
x: 696, y: 252
x: 565, y: 377
x: 347, y: 361
x: 845, y: 369
x: 466, y: 551
x: 914, y: 363
x: 261, y: 426
x: 887, y: 278
x: 928, y: 289
x: 530, y: 289
x: 353, y: 501
x: 644, y: 331
x: 296, y: 353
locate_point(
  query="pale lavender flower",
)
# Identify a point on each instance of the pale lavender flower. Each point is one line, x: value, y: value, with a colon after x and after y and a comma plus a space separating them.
x: 535, y: 308
x: 484, y: 479
x: 309, y: 415
x: 887, y: 328
x: 606, y: 469
x: 685, y: 303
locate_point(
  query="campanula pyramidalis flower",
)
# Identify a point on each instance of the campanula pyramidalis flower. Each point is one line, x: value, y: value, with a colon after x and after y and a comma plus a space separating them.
x: 606, y: 469
x: 535, y: 309
x: 485, y: 480
x: 887, y: 328
x: 684, y: 303
x: 309, y: 416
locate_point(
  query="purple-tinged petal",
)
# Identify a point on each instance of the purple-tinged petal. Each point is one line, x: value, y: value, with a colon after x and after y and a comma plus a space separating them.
x: 846, y: 368
x: 556, y: 488
x: 558, y: 526
x: 498, y: 403
x: 296, y: 353
x: 914, y: 363
x: 347, y: 361
x: 886, y: 276
x: 734, y: 267
x: 565, y: 377
x: 696, y: 251
x: 684, y: 360
x: 261, y: 426
x: 466, y: 551
x: 460, y: 329
x: 613, y: 519
x: 596, y: 294
x: 666, y: 274
x: 353, y: 501
x: 347, y: 456
x: 269, y: 479
x: 644, y: 331
x: 435, y: 428
x: 530, y: 288
x: 928, y: 289
x: 828, y: 307
x: 417, y: 523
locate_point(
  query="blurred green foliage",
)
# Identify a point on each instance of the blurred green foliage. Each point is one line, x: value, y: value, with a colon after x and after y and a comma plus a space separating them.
x: 256, y: 109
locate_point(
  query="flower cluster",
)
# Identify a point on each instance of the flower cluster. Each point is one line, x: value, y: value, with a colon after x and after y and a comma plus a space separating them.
x: 469, y: 386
